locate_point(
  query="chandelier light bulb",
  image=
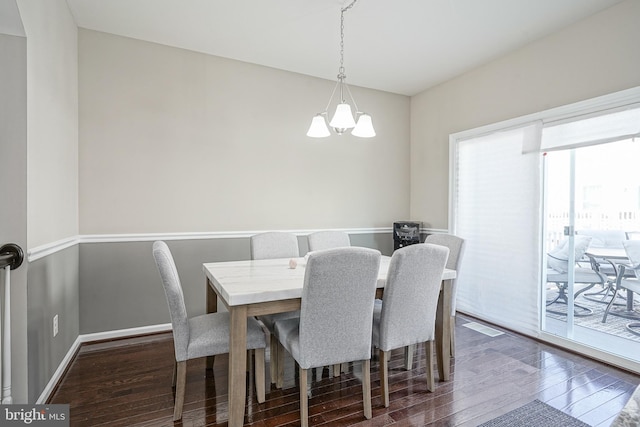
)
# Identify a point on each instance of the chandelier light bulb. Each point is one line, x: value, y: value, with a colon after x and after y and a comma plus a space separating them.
x: 364, y: 127
x: 318, y: 128
x: 343, y: 119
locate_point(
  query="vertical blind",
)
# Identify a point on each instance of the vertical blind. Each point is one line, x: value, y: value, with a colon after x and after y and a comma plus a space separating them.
x: 497, y: 210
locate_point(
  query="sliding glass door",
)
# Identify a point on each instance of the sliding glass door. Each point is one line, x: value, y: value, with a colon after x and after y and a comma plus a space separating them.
x: 544, y: 203
x: 592, y: 204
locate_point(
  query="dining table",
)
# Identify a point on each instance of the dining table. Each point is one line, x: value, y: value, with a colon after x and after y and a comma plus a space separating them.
x: 616, y: 256
x: 259, y: 287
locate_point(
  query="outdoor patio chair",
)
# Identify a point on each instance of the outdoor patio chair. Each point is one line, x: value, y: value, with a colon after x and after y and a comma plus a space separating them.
x: 630, y: 284
x: 558, y: 262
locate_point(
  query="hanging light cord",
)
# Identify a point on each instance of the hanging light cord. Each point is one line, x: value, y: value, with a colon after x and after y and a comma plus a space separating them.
x: 341, y: 75
x: 342, y: 11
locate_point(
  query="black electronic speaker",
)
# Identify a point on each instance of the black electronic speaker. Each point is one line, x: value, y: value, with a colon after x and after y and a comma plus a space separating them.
x: 405, y: 233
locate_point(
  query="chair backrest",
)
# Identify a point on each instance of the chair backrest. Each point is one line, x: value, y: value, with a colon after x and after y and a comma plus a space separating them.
x: 175, y: 298
x: 558, y: 258
x: 411, y: 295
x: 455, y: 245
x: 274, y: 244
x: 604, y: 238
x: 330, y: 239
x: 456, y: 250
x: 337, y: 306
x: 632, y: 247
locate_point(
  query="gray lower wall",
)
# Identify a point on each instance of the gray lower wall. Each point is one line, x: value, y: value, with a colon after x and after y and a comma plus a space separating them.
x: 120, y: 286
x: 101, y: 287
x: 52, y: 288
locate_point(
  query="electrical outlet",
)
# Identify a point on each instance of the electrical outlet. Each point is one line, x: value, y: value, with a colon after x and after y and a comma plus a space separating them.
x: 55, y: 325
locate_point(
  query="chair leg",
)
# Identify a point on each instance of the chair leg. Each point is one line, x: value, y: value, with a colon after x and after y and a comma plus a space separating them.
x: 175, y: 374
x: 337, y: 369
x: 384, y: 378
x: 210, y: 361
x: 180, y: 386
x: 304, y: 403
x: 408, y: 356
x: 249, y: 365
x: 280, y: 365
x: 274, y: 345
x: 431, y: 383
x: 259, y: 376
x: 366, y: 388
x: 453, y: 336
x: 606, y: 310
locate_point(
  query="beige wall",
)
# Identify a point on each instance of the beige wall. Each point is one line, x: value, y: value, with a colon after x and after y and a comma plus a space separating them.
x: 596, y: 56
x: 47, y: 193
x: 52, y: 120
x: 177, y: 141
x: 13, y: 176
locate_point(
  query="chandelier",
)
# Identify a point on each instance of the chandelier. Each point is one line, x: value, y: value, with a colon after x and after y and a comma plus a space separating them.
x: 343, y: 119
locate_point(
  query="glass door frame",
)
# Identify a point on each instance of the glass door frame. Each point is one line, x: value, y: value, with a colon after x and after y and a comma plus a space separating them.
x: 569, y: 233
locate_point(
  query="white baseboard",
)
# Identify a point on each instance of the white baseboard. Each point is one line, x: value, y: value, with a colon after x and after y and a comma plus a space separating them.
x: 123, y: 333
x: 99, y: 336
x: 57, y: 375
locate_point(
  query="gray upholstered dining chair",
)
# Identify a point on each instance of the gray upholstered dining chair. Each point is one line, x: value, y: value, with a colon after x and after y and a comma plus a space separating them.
x: 407, y: 313
x: 200, y: 336
x: 272, y: 245
x: 456, y: 250
x: 328, y: 240
x: 335, y: 316
x: 628, y: 278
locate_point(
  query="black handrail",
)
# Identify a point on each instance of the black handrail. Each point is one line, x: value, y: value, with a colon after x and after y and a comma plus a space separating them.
x: 12, y: 255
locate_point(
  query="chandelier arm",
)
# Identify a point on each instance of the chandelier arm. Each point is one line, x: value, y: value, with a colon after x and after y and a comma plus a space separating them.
x: 326, y: 110
x: 355, y: 106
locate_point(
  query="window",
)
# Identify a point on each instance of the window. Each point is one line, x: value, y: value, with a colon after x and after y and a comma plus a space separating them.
x: 496, y: 203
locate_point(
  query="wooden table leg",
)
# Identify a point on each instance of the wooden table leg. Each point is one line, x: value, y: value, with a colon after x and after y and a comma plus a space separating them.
x: 237, y: 364
x: 443, y: 331
x: 212, y: 307
x: 212, y: 298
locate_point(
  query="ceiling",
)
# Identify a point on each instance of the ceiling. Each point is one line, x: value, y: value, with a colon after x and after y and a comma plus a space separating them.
x: 399, y: 46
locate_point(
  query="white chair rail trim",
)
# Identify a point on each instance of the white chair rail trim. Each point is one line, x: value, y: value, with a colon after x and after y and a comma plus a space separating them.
x: 42, y: 251
x: 51, y: 248
x: 110, y: 238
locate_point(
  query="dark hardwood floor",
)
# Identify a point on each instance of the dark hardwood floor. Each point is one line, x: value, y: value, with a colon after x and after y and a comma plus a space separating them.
x: 128, y: 382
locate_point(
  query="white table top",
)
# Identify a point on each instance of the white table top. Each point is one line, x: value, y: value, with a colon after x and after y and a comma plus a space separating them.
x: 609, y: 253
x: 249, y: 282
